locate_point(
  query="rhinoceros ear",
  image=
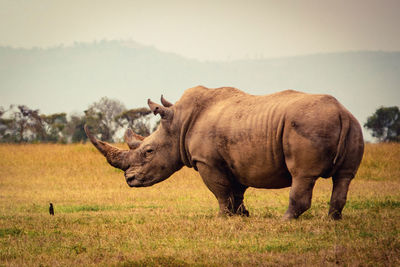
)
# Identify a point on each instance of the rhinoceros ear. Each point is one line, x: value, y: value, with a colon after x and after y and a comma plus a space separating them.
x: 165, y: 112
x: 165, y: 103
x: 133, y: 140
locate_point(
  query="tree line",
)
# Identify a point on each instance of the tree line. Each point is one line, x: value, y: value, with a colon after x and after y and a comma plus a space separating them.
x: 384, y: 124
x: 107, y: 117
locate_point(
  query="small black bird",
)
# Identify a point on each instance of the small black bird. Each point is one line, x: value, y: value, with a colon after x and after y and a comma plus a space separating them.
x: 51, y: 209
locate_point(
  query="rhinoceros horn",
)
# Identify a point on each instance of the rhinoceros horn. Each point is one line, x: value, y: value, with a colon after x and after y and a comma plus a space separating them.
x: 165, y: 103
x: 115, y: 156
x: 133, y: 140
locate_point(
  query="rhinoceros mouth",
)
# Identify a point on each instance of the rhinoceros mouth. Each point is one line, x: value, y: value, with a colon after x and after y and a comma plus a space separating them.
x: 135, y: 182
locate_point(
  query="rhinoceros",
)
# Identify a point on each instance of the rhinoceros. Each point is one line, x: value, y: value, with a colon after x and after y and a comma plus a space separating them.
x: 236, y: 140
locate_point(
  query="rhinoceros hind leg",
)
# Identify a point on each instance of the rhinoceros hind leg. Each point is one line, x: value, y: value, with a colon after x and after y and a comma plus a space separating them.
x: 300, y: 197
x: 339, y: 196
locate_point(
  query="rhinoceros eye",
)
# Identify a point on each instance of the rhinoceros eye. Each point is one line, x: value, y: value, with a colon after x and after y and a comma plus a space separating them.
x: 148, y: 152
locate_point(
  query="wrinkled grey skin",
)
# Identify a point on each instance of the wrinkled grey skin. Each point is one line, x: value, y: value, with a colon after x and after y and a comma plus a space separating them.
x: 236, y: 140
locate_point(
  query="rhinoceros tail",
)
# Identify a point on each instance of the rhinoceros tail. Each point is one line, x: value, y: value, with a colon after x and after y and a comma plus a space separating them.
x: 345, y: 127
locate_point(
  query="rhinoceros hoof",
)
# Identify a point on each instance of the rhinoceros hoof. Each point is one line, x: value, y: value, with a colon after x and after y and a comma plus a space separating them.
x: 288, y: 217
x: 245, y: 213
x: 225, y: 213
x: 335, y: 215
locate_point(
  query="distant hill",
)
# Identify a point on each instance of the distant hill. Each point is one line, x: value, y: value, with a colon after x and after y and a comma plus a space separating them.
x: 70, y: 78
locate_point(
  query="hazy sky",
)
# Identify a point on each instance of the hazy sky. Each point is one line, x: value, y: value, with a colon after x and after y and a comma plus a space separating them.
x: 208, y: 30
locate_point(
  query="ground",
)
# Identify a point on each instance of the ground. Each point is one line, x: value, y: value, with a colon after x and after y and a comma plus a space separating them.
x: 99, y: 220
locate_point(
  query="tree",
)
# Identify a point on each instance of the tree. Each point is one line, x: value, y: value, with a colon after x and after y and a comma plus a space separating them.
x: 26, y: 125
x: 385, y: 124
x: 137, y: 119
x: 5, y: 125
x: 101, y: 116
x: 23, y: 124
x: 74, y: 131
x: 53, y: 126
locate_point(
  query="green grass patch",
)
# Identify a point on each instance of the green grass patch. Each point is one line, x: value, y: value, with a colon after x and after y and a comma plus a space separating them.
x: 156, y: 261
x: 84, y: 208
x: 373, y: 204
x: 4, y: 232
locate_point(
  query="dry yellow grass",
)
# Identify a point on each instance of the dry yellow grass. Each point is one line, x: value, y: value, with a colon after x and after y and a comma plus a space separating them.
x: 101, y: 221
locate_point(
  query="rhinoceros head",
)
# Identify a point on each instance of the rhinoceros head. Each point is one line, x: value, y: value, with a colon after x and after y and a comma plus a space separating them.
x: 149, y: 160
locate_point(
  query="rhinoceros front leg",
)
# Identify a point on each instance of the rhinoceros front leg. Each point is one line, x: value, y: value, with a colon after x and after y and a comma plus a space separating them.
x: 229, y: 194
x: 238, y: 195
x: 299, y: 197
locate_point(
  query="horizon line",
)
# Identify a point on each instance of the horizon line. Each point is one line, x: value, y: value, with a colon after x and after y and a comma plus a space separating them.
x: 76, y: 44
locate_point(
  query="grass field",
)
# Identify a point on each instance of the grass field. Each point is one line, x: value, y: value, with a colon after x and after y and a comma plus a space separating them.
x: 99, y: 220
